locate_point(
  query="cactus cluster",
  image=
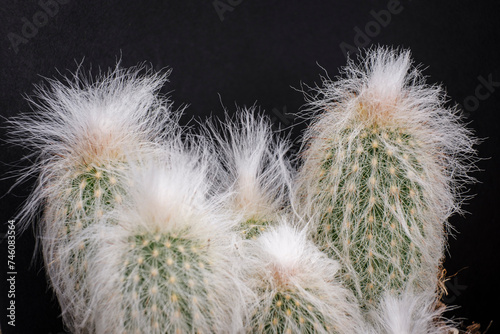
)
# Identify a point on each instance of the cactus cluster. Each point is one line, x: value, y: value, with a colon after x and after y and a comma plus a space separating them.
x: 87, y: 133
x: 150, y: 228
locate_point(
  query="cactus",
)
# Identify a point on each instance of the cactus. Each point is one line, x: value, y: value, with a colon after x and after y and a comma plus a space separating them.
x: 255, y: 172
x: 382, y: 173
x: 85, y: 134
x: 382, y: 208
x: 296, y: 286
x: 91, y: 194
x: 167, y: 274
x: 139, y: 237
x: 166, y: 267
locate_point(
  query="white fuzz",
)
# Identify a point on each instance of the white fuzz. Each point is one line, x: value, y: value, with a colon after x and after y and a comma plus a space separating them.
x: 255, y: 170
x: 84, y: 122
x: 410, y: 313
x: 386, y: 91
x: 175, y: 190
x: 167, y: 265
x: 84, y: 135
x: 296, y: 285
x: 384, y: 168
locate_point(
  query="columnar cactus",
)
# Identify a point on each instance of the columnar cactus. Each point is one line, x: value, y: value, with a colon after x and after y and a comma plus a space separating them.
x: 296, y: 286
x: 84, y: 134
x: 382, y: 173
x: 166, y: 267
x: 256, y: 173
x: 90, y: 195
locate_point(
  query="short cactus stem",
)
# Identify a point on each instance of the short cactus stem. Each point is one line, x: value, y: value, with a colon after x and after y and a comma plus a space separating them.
x: 296, y: 286
x: 165, y: 263
x: 255, y: 171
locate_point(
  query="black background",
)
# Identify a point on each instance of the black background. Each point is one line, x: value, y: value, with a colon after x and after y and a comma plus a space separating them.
x: 254, y: 52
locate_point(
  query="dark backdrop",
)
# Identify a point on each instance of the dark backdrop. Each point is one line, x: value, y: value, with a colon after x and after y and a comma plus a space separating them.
x: 254, y: 52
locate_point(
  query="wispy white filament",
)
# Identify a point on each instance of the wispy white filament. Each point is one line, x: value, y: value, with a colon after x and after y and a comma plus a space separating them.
x: 384, y: 166
x: 297, y: 286
x: 255, y: 171
x: 84, y: 135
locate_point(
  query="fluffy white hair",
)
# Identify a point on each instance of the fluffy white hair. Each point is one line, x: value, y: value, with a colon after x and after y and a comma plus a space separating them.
x: 84, y: 133
x: 133, y: 288
x: 411, y: 313
x: 383, y: 98
x: 296, y: 285
x: 82, y: 121
x: 385, y: 89
x: 255, y: 170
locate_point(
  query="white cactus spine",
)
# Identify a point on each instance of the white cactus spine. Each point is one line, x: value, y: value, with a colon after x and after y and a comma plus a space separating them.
x: 255, y: 173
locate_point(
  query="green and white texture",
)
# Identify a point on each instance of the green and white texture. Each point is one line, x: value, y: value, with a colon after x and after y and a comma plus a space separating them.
x: 383, y: 169
x: 84, y: 135
x: 166, y: 266
x: 146, y: 231
x: 293, y: 283
x: 255, y: 172
x: 296, y: 285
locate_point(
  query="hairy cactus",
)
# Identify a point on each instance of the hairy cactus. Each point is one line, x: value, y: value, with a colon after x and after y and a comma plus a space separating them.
x: 382, y: 174
x: 90, y: 195
x: 166, y: 267
x: 84, y: 135
x: 256, y: 173
x: 138, y: 226
x: 296, y: 286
